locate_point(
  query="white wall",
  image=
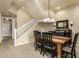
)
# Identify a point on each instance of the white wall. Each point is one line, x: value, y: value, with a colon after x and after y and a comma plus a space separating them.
x: 13, y: 28
x: 0, y: 29
x: 52, y: 13
x: 47, y: 26
x: 22, y: 18
x: 72, y: 14
x: 12, y: 10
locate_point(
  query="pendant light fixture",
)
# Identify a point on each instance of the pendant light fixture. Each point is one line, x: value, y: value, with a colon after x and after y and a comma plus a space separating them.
x: 49, y: 19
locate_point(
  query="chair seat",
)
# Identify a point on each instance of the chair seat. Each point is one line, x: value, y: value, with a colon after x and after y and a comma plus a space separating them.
x: 38, y: 43
x: 51, y: 50
x: 50, y: 47
x: 67, y: 49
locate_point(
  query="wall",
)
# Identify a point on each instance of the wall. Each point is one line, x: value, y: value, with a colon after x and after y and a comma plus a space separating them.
x: 0, y: 29
x: 12, y: 10
x: 13, y: 28
x: 52, y: 13
x: 72, y: 14
x: 47, y: 26
x: 22, y: 18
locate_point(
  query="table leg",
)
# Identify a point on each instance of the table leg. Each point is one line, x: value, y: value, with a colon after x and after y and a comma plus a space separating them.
x: 59, y: 50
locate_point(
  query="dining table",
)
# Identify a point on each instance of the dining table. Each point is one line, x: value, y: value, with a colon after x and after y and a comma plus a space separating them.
x: 59, y: 41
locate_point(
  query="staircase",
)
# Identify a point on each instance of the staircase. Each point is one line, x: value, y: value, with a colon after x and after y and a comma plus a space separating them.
x: 20, y: 31
x: 24, y: 32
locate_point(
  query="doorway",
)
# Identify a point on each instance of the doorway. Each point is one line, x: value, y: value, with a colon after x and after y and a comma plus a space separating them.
x: 7, y: 29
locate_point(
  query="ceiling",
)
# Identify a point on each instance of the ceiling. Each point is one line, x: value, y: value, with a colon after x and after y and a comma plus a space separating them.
x: 37, y: 9
x: 4, y: 5
x: 62, y: 4
x: 44, y: 3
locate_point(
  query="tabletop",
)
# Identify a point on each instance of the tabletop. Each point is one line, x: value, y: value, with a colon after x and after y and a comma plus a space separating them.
x: 60, y: 39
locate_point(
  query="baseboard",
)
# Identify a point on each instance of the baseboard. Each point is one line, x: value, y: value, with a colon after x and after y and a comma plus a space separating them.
x: 23, y: 43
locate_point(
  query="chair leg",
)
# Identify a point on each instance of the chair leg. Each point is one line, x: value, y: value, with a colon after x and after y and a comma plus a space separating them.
x: 52, y: 55
x: 71, y: 55
x: 44, y: 51
x: 66, y: 55
x: 34, y: 43
x: 41, y: 51
x: 36, y: 48
x: 74, y: 53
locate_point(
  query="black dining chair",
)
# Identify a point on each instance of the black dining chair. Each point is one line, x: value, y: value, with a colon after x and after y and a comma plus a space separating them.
x: 38, y: 41
x: 71, y: 49
x: 35, y: 32
x: 48, y: 44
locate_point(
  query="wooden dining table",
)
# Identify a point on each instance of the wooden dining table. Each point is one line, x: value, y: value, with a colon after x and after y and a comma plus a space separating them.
x: 59, y: 41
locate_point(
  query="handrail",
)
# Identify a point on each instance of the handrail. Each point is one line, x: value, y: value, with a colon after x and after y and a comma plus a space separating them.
x: 24, y: 25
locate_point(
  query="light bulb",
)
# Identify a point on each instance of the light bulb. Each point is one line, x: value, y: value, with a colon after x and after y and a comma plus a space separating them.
x: 48, y: 19
x: 44, y: 20
x: 52, y: 20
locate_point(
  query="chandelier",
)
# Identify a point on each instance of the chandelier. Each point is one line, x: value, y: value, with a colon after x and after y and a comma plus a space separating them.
x: 48, y: 19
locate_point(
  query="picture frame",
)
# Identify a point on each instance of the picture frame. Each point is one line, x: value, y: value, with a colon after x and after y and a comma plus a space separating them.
x: 63, y: 24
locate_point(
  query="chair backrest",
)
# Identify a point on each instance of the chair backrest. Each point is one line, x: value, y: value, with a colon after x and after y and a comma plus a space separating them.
x: 60, y: 32
x: 47, y: 38
x: 53, y: 32
x: 37, y: 36
x: 74, y: 41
